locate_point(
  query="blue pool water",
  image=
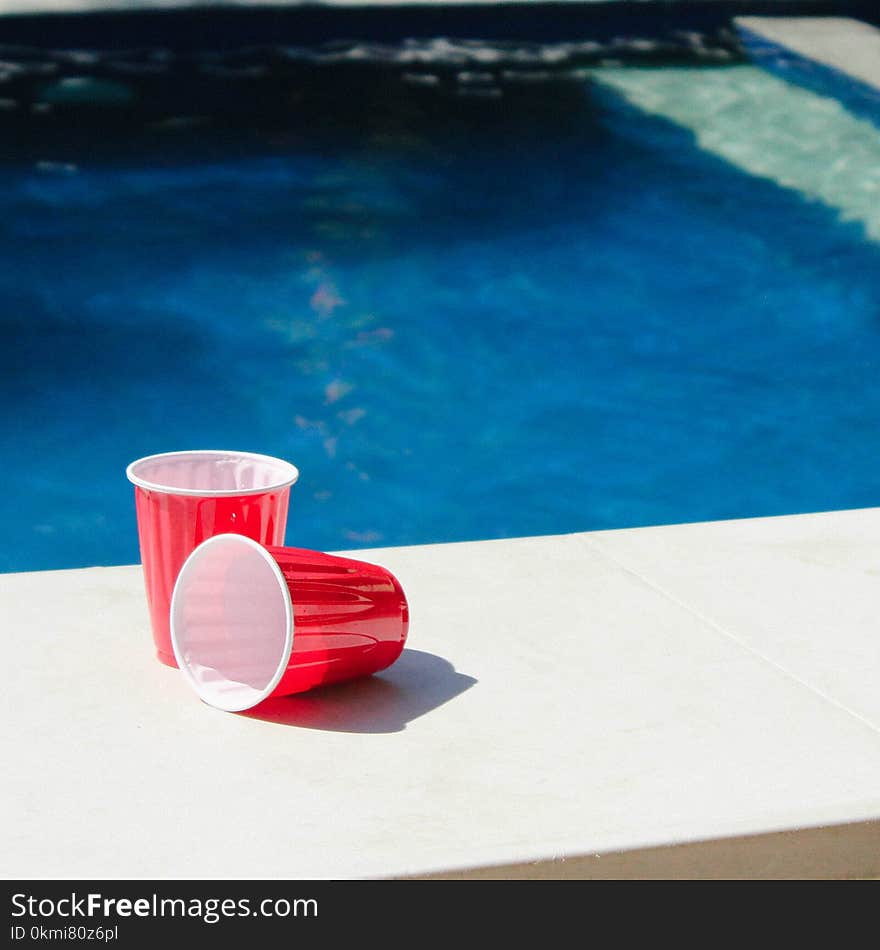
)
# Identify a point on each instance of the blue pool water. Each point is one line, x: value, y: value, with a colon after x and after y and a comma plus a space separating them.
x: 504, y: 322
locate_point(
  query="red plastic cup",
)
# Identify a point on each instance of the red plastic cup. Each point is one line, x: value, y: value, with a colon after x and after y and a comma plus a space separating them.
x: 250, y: 622
x: 182, y: 498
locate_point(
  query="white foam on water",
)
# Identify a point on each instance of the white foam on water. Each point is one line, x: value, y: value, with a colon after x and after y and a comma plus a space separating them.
x: 66, y: 6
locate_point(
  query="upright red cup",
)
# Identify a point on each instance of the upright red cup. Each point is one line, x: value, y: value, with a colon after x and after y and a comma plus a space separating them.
x: 183, y: 498
x: 249, y: 622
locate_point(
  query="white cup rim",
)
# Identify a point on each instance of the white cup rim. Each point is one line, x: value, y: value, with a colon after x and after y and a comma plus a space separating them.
x: 287, y: 474
x: 233, y: 702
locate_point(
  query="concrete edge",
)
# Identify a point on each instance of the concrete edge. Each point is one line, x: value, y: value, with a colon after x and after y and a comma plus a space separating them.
x: 842, y: 45
x: 843, y: 852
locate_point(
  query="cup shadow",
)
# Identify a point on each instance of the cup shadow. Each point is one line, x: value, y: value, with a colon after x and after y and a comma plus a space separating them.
x: 415, y: 685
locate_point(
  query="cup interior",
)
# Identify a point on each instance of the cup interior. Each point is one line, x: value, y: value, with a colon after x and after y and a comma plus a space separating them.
x: 208, y: 473
x: 231, y: 622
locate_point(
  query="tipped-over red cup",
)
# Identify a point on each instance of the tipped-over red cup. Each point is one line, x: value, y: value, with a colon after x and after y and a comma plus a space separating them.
x: 183, y: 498
x: 249, y: 622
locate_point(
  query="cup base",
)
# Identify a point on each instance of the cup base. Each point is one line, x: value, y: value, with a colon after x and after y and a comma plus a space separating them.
x: 167, y: 659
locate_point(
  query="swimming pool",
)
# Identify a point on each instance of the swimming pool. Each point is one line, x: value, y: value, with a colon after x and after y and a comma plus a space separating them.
x: 651, y: 295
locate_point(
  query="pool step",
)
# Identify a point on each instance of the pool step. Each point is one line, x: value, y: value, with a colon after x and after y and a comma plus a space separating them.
x: 769, y: 128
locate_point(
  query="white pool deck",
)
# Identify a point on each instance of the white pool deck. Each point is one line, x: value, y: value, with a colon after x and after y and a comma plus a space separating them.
x: 844, y: 44
x: 687, y: 701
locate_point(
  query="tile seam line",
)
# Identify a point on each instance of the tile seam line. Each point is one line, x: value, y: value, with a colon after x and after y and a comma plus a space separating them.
x: 714, y: 625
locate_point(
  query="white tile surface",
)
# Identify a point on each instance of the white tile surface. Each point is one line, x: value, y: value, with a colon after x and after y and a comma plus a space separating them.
x: 554, y: 704
x: 803, y: 592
